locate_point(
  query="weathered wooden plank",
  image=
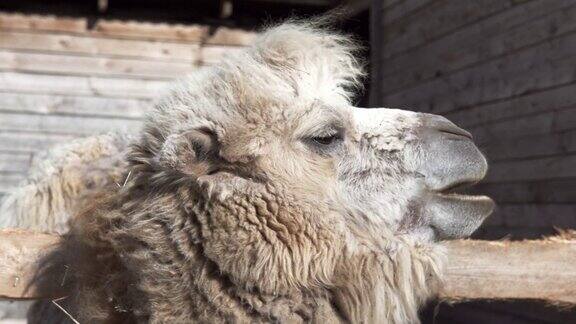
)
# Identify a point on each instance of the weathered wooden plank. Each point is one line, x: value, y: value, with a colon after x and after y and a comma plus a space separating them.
x: 74, y: 105
x: 545, y: 191
x: 476, y: 269
x: 15, y: 161
x: 143, y: 30
x: 62, y: 43
x: 30, y: 141
x: 45, y: 23
x: 521, y: 26
x: 531, y: 146
x: 533, y: 169
x: 529, y: 104
x: 542, y: 123
x: 62, y: 124
x: 232, y: 37
x: 211, y: 54
x: 18, y: 262
x: 565, y: 120
x: 28, y: 83
x: 538, y: 215
x: 540, y: 270
x: 9, y: 180
x: 540, y: 67
x: 84, y: 65
x: 402, y: 10
x: 387, y: 4
x: 437, y: 20
x: 128, y: 29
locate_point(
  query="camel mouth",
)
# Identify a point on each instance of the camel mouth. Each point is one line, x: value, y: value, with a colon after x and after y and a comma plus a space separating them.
x: 460, y: 187
x: 457, y: 211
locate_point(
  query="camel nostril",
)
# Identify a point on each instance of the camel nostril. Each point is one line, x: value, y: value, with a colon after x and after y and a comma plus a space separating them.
x: 458, y: 132
x: 443, y: 125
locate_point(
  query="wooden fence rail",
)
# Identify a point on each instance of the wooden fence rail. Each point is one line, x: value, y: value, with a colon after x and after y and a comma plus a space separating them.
x: 540, y: 270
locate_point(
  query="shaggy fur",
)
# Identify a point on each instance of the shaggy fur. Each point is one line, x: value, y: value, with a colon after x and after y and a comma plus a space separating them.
x: 255, y: 193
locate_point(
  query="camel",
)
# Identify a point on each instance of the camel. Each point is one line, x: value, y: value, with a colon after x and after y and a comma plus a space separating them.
x: 257, y: 192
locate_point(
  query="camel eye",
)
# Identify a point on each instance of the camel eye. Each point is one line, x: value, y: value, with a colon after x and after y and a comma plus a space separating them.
x: 326, y: 140
x: 325, y: 143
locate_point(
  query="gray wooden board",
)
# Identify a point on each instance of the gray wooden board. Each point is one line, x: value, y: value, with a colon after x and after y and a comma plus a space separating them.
x: 437, y: 20
x: 512, y: 108
x: 532, y: 169
x: 61, y: 43
x: 10, y: 180
x: 74, y: 105
x: 15, y: 161
x: 531, y: 146
x: 63, y: 124
x: 547, y: 122
x: 18, y: 141
x: 34, y: 83
x: 88, y: 66
x: 541, y: 192
x: 538, y: 215
x: 545, y: 65
x: 509, y: 31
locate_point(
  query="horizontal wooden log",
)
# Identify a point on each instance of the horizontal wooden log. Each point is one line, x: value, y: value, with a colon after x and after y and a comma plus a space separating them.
x: 541, y: 270
x: 19, y: 253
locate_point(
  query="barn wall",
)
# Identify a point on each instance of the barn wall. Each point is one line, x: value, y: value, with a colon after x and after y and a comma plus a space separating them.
x: 60, y: 79
x: 505, y: 70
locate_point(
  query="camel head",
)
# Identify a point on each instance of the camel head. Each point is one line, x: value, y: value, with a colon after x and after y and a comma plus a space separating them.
x: 280, y: 115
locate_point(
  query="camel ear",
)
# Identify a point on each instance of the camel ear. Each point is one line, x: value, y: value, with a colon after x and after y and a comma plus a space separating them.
x: 194, y: 152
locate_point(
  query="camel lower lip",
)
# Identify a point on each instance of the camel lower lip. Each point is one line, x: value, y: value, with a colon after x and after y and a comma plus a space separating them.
x: 457, y: 215
x: 465, y: 197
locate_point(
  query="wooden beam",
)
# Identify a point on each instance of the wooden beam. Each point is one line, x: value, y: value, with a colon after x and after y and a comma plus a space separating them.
x: 539, y: 270
x: 19, y: 252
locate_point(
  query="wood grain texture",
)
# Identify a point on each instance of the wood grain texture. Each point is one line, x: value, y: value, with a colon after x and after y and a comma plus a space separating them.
x: 9, y: 180
x: 504, y: 70
x: 60, y: 79
x: 90, y: 86
x: 435, y: 20
x: 476, y: 269
x: 89, y: 66
x: 73, y: 105
x: 65, y: 124
x: 541, y: 270
x: 19, y: 253
x: 60, y: 43
x: 513, y: 29
x: 127, y: 29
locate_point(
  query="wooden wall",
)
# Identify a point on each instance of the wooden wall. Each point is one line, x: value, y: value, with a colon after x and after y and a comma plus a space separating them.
x: 505, y: 70
x: 60, y: 79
